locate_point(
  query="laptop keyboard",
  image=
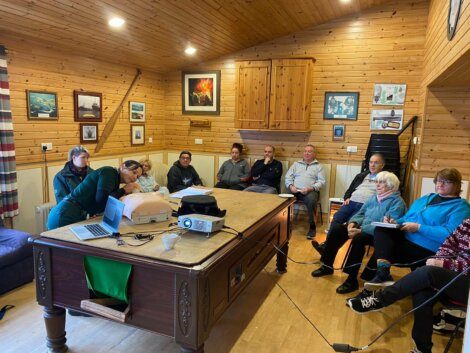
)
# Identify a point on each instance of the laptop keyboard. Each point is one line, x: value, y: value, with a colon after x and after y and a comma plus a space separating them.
x: 96, y: 229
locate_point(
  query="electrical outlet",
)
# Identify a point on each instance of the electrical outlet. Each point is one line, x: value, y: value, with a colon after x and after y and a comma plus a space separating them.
x: 352, y: 149
x: 198, y: 141
x: 150, y: 140
x: 46, y: 146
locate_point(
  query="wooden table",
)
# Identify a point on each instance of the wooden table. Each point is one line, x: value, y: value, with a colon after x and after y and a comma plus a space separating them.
x: 180, y: 293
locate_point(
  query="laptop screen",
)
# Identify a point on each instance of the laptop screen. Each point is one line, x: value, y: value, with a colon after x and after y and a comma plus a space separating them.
x: 113, y: 213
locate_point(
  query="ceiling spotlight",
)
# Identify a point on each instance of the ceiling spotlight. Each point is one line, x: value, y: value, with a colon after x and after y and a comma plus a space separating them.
x: 190, y: 50
x: 345, y: 1
x: 116, y: 22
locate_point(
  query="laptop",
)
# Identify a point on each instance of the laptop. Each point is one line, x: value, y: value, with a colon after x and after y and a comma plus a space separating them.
x: 110, y: 224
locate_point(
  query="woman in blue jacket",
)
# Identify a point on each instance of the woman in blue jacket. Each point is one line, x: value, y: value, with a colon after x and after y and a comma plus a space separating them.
x: 360, y: 229
x: 91, y: 195
x: 425, y: 226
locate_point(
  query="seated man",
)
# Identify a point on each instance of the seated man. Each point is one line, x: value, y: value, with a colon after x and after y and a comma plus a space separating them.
x: 452, y: 258
x: 360, y: 190
x: 266, y: 173
x: 304, y: 179
x: 182, y: 175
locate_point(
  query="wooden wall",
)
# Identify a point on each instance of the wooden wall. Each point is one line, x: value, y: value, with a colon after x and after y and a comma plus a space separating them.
x: 384, y: 45
x: 34, y: 67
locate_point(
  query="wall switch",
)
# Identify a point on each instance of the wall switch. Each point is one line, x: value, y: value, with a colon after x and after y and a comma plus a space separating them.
x: 150, y: 140
x: 352, y: 149
x: 46, y: 146
x: 198, y: 141
x: 416, y: 140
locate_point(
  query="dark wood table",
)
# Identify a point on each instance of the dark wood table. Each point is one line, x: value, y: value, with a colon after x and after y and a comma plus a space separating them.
x: 167, y: 296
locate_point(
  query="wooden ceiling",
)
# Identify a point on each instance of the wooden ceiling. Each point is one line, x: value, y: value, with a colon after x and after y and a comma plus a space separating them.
x: 157, y: 31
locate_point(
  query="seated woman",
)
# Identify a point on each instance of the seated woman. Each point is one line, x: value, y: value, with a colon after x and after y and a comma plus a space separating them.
x: 91, y: 195
x: 73, y: 173
x: 452, y: 258
x: 425, y: 226
x: 359, y: 228
x: 234, y: 173
x: 146, y: 181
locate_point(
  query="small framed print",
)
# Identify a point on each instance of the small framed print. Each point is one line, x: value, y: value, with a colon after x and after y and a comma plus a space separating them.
x: 136, y: 112
x: 87, y: 106
x: 88, y: 133
x: 339, y: 132
x: 137, y: 134
x: 42, y: 105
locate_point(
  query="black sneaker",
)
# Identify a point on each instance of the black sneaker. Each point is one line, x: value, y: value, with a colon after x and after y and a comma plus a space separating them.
x: 381, y: 279
x: 311, y: 232
x: 363, y: 305
x: 365, y: 293
x: 320, y: 248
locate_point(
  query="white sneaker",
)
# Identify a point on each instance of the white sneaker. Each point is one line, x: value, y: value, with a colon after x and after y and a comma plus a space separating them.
x: 415, y: 350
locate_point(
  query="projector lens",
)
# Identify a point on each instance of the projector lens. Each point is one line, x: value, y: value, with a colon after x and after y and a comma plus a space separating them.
x: 187, y: 223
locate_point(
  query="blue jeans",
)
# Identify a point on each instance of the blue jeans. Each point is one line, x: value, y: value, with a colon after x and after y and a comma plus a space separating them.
x: 345, y: 213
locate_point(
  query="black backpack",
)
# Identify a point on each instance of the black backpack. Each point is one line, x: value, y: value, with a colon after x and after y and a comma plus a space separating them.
x: 200, y: 204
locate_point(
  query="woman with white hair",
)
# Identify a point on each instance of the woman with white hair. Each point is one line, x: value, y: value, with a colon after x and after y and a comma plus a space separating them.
x: 73, y: 173
x: 360, y: 230
x: 147, y: 181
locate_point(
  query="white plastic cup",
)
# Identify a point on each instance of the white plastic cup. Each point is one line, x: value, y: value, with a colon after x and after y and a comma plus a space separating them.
x: 169, y: 240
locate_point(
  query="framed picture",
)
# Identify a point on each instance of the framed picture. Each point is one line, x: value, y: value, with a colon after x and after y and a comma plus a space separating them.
x: 136, y: 112
x: 341, y: 105
x: 386, y: 119
x: 42, y: 105
x: 137, y: 134
x: 87, y: 106
x: 389, y: 94
x: 201, y: 92
x: 88, y: 133
x: 338, y: 132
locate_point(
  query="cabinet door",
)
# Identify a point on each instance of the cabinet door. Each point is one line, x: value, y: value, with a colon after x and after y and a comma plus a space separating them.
x: 291, y: 88
x: 252, y: 104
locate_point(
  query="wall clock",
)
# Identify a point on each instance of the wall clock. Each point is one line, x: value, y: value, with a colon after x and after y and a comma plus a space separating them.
x: 453, y: 18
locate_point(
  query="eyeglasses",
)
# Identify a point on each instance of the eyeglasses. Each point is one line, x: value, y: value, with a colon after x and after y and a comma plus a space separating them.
x: 189, y: 158
x: 380, y: 182
x: 375, y: 163
x: 443, y: 181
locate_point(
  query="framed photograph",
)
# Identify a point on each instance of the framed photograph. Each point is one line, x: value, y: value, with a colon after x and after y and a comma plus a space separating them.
x: 338, y: 132
x: 136, y: 112
x: 201, y: 92
x: 341, y: 105
x: 386, y: 119
x: 42, y: 105
x: 137, y: 134
x: 389, y: 94
x: 88, y: 133
x: 87, y: 106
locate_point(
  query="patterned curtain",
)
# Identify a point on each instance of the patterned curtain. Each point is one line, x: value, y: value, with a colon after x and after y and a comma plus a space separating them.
x: 8, y: 186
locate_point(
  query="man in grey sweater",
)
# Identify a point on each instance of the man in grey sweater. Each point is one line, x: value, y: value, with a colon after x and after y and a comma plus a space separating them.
x: 304, y: 179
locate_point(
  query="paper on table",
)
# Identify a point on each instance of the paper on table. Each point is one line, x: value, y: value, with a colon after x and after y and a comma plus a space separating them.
x: 386, y: 225
x: 191, y: 192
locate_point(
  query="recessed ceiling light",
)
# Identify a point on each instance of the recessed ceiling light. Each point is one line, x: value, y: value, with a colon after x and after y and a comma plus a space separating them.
x: 116, y: 22
x: 345, y: 1
x: 190, y: 50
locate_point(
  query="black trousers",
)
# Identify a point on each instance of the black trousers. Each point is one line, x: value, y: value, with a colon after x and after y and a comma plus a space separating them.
x: 223, y: 185
x: 422, y: 284
x: 310, y: 200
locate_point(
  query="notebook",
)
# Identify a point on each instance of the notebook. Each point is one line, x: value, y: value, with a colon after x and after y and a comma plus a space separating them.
x: 110, y: 224
x: 386, y: 225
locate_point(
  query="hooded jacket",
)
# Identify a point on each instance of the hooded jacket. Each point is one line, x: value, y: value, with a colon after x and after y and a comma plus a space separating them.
x: 180, y: 178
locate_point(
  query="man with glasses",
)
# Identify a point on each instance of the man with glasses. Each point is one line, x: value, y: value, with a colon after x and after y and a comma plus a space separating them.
x: 182, y: 174
x: 360, y: 190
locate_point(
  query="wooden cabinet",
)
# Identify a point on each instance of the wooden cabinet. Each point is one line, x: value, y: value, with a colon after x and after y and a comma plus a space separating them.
x: 274, y: 94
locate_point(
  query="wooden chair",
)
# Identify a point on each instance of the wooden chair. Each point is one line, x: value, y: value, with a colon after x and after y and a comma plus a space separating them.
x: 317, y: 213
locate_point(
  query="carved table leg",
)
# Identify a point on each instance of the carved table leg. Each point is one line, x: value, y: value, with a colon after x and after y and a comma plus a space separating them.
x: 199, y: 349
x: 54, y: 318
x: 281, y: 259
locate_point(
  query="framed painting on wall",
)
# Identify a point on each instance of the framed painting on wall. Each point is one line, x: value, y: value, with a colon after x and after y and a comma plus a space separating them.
x: 88, y: 133
x: 87, y: 106
x: 137, y: 134
x: 201, y: 92
x: 41, y: 105
x: 389, y: 94
x: 386, y: 119
x: 341, y: 105
x: 136, y: 112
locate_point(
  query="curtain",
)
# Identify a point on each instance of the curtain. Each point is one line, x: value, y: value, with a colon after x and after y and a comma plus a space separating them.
x: 8, y: 185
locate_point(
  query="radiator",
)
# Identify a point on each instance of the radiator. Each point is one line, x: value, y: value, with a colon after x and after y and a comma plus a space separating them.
x: 41, y: 214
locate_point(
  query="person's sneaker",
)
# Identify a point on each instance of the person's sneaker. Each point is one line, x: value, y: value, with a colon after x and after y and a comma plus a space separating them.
x: 363, y: 305
x: 381, y: 279
x: 415, y: 350
x: 365, y: 293
x: 348, y: 286
x: 322, y: 271
x: 281, y: 272
x: 320, y: 248
x: 311, y: 232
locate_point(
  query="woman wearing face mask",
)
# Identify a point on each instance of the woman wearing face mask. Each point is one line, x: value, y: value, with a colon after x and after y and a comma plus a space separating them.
x: 73, y: 173
x: 91, y: 195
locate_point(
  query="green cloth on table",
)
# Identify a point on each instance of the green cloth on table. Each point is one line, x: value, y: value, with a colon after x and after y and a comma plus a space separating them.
x: 107, y: 277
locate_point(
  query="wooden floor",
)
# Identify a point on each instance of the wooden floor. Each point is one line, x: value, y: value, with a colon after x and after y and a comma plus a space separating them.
x: 262, y: 320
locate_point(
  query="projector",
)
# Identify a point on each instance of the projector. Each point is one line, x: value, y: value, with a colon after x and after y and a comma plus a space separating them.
x: 201, y: 223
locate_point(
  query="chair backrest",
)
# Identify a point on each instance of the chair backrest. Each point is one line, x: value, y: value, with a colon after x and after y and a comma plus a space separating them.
x: 159, y: 172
